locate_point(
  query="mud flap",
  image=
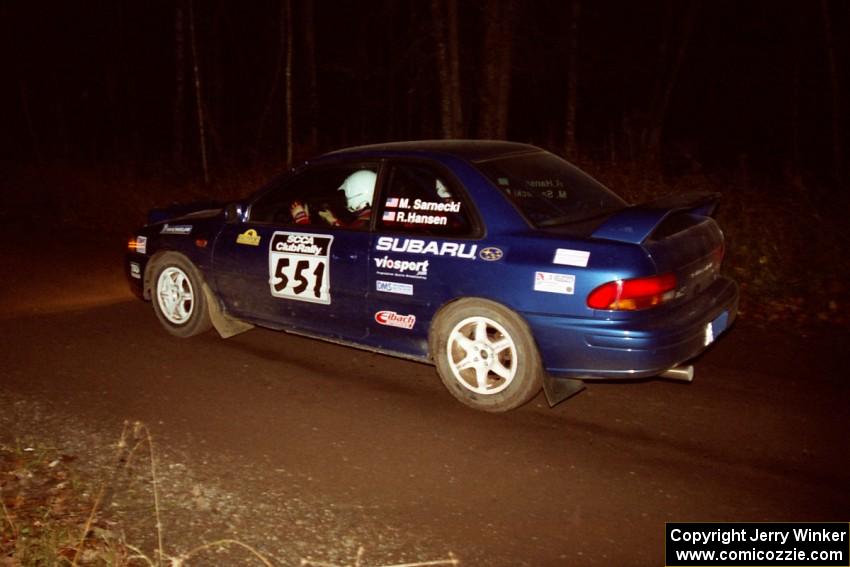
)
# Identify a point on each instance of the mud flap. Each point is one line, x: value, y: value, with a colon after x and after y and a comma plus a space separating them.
x: 225, y: 325
x: 559, y: 389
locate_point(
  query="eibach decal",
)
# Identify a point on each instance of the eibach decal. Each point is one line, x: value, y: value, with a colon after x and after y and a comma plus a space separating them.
x: 393, y: 319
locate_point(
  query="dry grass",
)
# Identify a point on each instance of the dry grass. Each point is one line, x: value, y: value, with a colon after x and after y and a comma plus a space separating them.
x: 78, y: 539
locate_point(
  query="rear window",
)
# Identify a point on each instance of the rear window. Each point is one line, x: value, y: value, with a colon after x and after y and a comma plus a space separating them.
x: 548, y: 190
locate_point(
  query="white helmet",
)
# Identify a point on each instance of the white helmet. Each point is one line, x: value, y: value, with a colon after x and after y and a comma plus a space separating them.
x: 359, y: 187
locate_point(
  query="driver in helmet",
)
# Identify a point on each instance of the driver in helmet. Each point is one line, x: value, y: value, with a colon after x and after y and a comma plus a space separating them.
x: 359, y: 188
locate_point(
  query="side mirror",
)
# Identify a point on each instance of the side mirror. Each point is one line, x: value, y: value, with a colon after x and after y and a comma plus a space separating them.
x: 234, y: 213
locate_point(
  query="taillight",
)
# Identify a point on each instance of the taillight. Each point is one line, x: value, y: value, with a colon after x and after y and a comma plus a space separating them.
x: 633, y: 294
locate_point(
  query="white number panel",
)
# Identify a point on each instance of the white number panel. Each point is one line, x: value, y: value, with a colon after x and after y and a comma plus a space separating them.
x: 299, y: 266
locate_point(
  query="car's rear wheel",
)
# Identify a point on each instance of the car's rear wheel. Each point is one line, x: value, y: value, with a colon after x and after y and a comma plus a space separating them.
x: 485, y: 355
x: 178, y: 298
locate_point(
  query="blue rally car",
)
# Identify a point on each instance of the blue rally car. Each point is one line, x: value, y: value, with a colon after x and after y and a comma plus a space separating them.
x: 503, y: 265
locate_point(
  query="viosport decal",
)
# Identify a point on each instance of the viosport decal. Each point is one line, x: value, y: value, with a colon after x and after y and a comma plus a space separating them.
x: 249, y: 237
x: 135, y: 270
x: 299, y: 266
x: 394, y: 287
x: 176, y: 229
x: 393, y: 319
x: 491, y: 254
x: 433, y: 248
x: 555, y: 283
x: 387, y: 266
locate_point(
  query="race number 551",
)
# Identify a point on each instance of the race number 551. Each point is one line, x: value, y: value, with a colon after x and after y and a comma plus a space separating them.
x: 299, y: 266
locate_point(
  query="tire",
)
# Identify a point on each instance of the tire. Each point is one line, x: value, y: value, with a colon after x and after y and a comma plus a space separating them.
x: 485, y: 355
x: 178, y: 297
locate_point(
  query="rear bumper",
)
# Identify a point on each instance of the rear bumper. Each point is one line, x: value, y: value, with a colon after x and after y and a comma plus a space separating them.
x: 643, y: 344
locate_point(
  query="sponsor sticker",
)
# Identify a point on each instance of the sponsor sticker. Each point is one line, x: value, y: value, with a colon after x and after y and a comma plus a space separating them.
x: 249, y: 237
x: 416, y: 218
x: 700, y: 271
x: 142, y: 244
x: 491, y: 254
x: 520, y: 193
x: 433, y: 248
x: 394, y: 287
x: 299, y: 266
x: 554, y: 283
x: 135, y: 270
x: 422, y: 205
x: 567, y: 257
x: 393, y: 319
x: 439, y: 206
x: 416, y: 269
x: 176, y: 229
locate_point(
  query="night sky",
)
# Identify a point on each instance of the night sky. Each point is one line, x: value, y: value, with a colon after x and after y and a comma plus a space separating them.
x: 760, y: 84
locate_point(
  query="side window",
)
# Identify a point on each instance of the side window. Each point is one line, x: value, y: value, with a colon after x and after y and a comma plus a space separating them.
x: 323, y: 195
x: 421, y: 200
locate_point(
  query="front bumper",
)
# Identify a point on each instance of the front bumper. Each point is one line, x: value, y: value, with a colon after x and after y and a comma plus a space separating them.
x: 134, y: 270
x: 640, y: 344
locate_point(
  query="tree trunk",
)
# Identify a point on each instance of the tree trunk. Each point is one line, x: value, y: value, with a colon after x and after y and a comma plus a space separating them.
x: 442, y: 66
x: 287, y: 30
x: 179, y: 87
x: 198, y: 104
x: 25, y: 106
x: 570, y: 148
x: 454, y: 71
x: 275, y: 79
x: 309, y: 27
x: 215, y: 106
x: 661, y: 103
x: 496, y: 84
x: 836, y: 122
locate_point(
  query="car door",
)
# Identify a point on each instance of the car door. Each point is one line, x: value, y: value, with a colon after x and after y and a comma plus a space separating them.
x: 426, y: 237
x: 298, y: 260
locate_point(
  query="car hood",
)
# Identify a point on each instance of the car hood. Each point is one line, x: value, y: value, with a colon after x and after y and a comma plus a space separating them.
x: 188, y: 211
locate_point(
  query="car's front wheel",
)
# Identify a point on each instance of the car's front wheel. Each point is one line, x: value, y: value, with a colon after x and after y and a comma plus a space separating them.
x: 178, y: 298
x: 485, y: 355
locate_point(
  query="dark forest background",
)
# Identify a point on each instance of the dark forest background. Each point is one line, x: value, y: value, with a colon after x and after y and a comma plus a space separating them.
x: 112, y: 106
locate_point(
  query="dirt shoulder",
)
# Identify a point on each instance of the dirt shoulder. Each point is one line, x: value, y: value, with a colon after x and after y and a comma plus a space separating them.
x: 202, y: 497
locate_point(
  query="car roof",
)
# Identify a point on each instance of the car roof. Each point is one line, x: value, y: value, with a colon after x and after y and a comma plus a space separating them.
x: 470, y: 150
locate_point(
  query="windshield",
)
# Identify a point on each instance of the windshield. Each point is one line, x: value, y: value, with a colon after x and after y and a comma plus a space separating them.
x: 548, y: 190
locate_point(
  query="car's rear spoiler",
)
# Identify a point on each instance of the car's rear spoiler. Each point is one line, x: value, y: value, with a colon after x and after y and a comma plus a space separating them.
x: 636, y: 223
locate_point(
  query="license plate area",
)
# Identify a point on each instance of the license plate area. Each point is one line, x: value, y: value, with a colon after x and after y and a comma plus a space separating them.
x: 714, y: 328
